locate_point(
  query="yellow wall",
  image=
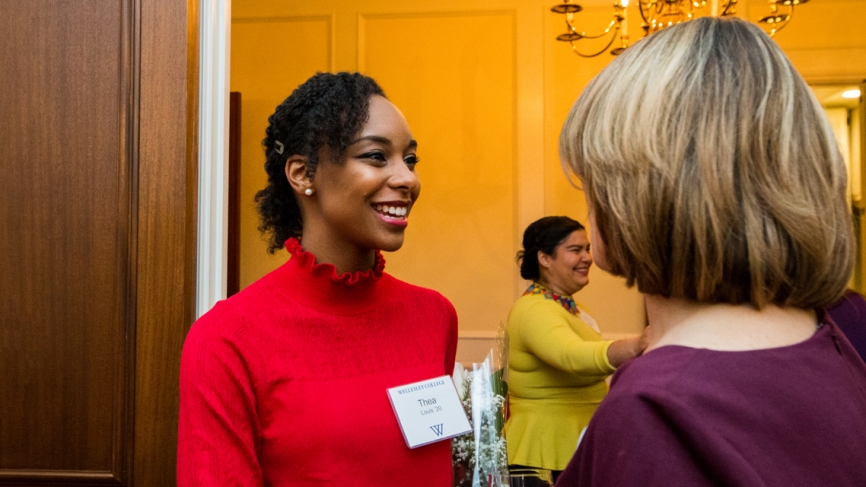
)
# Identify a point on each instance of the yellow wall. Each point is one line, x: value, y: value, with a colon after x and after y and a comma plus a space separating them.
x: 485, y: 88
x: 268, y: 61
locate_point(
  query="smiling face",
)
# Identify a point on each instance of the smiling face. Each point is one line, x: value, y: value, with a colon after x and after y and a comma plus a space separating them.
x: 567, y: 270
x: 364, y: 202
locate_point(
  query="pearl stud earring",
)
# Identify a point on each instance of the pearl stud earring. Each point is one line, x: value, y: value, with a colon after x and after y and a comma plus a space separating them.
x: 308, y: 191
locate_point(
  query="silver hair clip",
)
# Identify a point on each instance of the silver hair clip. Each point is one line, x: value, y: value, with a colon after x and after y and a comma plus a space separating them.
x: 279, y: 147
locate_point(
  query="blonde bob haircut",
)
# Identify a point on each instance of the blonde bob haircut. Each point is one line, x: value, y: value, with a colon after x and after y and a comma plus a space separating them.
x: 711, y: 170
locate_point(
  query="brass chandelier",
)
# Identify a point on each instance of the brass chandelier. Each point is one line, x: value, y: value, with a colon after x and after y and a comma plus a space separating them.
x: 658, y: 14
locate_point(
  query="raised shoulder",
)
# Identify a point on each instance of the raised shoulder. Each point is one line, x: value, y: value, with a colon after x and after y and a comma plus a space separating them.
x: 534, y: 307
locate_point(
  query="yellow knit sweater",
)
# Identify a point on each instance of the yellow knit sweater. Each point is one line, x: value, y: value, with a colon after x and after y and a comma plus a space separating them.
x: 557, y: 366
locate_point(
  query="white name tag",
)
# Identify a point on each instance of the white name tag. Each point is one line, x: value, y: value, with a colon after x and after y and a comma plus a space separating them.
x: 428, y: 411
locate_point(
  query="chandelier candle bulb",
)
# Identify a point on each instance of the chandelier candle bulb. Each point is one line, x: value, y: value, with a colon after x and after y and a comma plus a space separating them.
x: 715, y: 8
x: 624, y: 4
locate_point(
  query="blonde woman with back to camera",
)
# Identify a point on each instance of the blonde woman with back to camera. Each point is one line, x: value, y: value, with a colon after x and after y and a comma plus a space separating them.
x: 715, y: 185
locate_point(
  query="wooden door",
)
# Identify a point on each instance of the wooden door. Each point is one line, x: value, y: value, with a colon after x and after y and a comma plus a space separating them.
x: 97, y: 237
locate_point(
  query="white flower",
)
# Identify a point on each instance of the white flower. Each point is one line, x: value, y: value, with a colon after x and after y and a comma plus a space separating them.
x: 458, y: 377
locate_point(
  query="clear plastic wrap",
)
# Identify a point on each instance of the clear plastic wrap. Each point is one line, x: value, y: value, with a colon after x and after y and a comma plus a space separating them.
x: 479, y: 457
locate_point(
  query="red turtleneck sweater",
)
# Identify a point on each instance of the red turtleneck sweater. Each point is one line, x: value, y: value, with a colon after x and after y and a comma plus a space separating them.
x: 284, y: 384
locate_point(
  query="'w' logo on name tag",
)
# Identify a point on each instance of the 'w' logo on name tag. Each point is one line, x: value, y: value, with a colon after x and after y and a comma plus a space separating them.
x: 437, y: 428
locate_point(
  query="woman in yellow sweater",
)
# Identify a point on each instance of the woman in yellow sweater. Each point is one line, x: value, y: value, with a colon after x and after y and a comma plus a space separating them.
x: 557, y: 361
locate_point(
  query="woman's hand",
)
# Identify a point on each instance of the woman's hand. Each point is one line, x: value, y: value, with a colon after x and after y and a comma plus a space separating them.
x: 622, y: 350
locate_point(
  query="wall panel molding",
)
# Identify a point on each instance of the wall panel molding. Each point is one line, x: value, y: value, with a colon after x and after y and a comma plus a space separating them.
x: 364, y: 17
x: 60, y: 477
x: 828, y: 65
x: 274, y: 19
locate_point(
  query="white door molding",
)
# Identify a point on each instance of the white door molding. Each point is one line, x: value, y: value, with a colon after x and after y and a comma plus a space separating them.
x: 214, y: 51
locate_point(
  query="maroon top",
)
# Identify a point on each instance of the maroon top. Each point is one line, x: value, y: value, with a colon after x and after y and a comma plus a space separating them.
x: 677, y: 416
x: 849, y: 313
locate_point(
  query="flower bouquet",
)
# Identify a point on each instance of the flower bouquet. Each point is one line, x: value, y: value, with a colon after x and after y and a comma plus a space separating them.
x: 479, y: 457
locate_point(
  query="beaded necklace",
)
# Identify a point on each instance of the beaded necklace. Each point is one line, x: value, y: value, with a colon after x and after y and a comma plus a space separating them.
x: 567, y: 302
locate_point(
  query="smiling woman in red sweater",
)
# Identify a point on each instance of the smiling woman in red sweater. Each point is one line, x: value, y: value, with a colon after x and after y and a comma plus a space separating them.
x: 284, y: 384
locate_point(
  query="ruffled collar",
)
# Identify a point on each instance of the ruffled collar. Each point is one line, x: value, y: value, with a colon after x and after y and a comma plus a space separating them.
x: 306, y: 260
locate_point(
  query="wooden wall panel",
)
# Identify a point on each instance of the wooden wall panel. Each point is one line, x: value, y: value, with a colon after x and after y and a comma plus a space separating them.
x: 461, y: 108
x: 275, y: 55
x: 66, y: 277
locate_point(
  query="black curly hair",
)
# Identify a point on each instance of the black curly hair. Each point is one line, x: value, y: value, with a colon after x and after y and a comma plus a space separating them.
x: 545, y: 234
x: 328, y: 109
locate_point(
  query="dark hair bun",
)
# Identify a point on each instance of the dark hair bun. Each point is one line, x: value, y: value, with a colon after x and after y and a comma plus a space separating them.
x: 545, y: 234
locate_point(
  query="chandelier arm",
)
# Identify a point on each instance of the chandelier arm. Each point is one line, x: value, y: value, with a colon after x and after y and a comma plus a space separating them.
x: 640, y: 9
x: 606, y: 31
x: 659, y: 14
x: 574, y: 48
